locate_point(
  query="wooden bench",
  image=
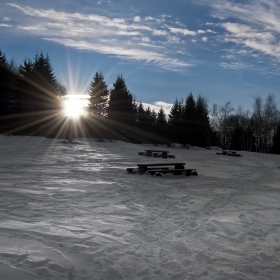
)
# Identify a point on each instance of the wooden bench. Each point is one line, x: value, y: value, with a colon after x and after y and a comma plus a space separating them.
x: 175, y: 168
x: 130, y: 169
x: 143, y: 167
x: 187, y: 172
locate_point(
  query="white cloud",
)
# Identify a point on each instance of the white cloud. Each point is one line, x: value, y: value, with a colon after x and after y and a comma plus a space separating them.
x: 145, y: 39
x: 233, y: 65
x: 183, y: 31
x: 122, y: 37
x: 123, y: 52
x: 32, y: 28
x: 211, y: 31
x: 201, y: 31
x: 257, y: 40
x: 5, y: 25
x: 258, y: 27
x: 204, y: 39
x: 149, y: 18
x: 157, y: 105
x: 137, y: 18
x: 159, y: 32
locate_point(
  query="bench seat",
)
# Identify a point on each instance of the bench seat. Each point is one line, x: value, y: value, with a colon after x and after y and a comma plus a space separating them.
x: 130, y: 169
x: 161, y: 164
x: 187, y: 172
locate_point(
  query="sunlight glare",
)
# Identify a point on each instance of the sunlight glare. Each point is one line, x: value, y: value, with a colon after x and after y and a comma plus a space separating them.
x: 74, y: 107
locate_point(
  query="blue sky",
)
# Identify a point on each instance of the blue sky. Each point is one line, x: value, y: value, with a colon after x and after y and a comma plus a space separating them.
x: 222, y: 49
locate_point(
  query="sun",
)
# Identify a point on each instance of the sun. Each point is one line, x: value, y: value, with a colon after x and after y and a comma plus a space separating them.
x: 74, y: 107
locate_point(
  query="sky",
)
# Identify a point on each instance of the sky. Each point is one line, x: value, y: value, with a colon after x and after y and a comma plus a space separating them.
x: 224, y: 50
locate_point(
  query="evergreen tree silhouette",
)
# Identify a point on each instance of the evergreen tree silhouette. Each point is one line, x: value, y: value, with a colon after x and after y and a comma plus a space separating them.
x: 5, y: 86
x: 140, y: 116
x: 189, y: 121
x: 98, y: 96
x: 161, y: 127
x: 175, y: 121
x: 203, y: 128
x: 121, y: 108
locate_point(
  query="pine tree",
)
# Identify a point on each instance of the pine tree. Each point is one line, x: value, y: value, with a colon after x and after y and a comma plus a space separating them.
x: 26, y: 85
x: 39, y: 84
x: 40, y: 95
x: 161, y: 126
x: 150, y: 119
x: 140, y: 116
x: 175, y: 121
x: 5, y: 86
x: 161, y: 117
x: 203, y: 129
x: 188, y: 121
x: 98, y: 96
x: 121, y: 107
x: 16, y: 95
x: 189, y: 110
x: 45, y: 83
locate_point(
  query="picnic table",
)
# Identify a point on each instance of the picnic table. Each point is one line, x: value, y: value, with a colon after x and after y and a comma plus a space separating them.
x: 229, y: 153
x: 176, y: 168
x: 156, y: 153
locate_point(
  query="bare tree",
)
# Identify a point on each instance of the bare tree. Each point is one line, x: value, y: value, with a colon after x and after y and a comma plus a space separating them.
x: 221, y: 123
x: 265, y: 122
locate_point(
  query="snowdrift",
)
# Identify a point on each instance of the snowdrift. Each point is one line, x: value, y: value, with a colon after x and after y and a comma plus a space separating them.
x: 73, y: 212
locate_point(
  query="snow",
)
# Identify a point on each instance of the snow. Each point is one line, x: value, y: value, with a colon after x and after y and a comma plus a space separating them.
x: 73, y: 212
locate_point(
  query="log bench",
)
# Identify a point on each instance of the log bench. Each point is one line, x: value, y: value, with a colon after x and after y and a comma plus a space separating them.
x: 158, y: 169
x: 143, y: 167
x: 130, y: 169
x: 187, y: 172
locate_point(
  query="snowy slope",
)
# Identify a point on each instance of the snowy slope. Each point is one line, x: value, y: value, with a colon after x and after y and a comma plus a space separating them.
x: 72, y: 212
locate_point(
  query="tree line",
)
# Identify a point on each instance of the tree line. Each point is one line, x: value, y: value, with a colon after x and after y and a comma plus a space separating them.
x: 31, y: 98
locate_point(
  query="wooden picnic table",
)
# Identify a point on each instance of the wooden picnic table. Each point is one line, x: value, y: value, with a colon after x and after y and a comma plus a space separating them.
x: 155, y: 153
x: 229, y: 153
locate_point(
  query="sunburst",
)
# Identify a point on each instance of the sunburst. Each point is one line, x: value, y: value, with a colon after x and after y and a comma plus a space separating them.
x: 74, y: 106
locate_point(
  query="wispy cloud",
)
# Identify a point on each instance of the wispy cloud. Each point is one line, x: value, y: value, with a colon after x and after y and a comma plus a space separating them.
x: 182, y: 31
x: 156, y: 106
x: 233, y: 65
x: 5, y: 25
x: 123, y: 52
x: 133, y: 38
x: 252, y: 26
x: 259, y: 24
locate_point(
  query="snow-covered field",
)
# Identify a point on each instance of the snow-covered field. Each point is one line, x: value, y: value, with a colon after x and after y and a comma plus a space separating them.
x: 72, y: 212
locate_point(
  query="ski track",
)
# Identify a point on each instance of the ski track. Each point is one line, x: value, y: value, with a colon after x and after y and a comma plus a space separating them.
x: 72, y: 212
